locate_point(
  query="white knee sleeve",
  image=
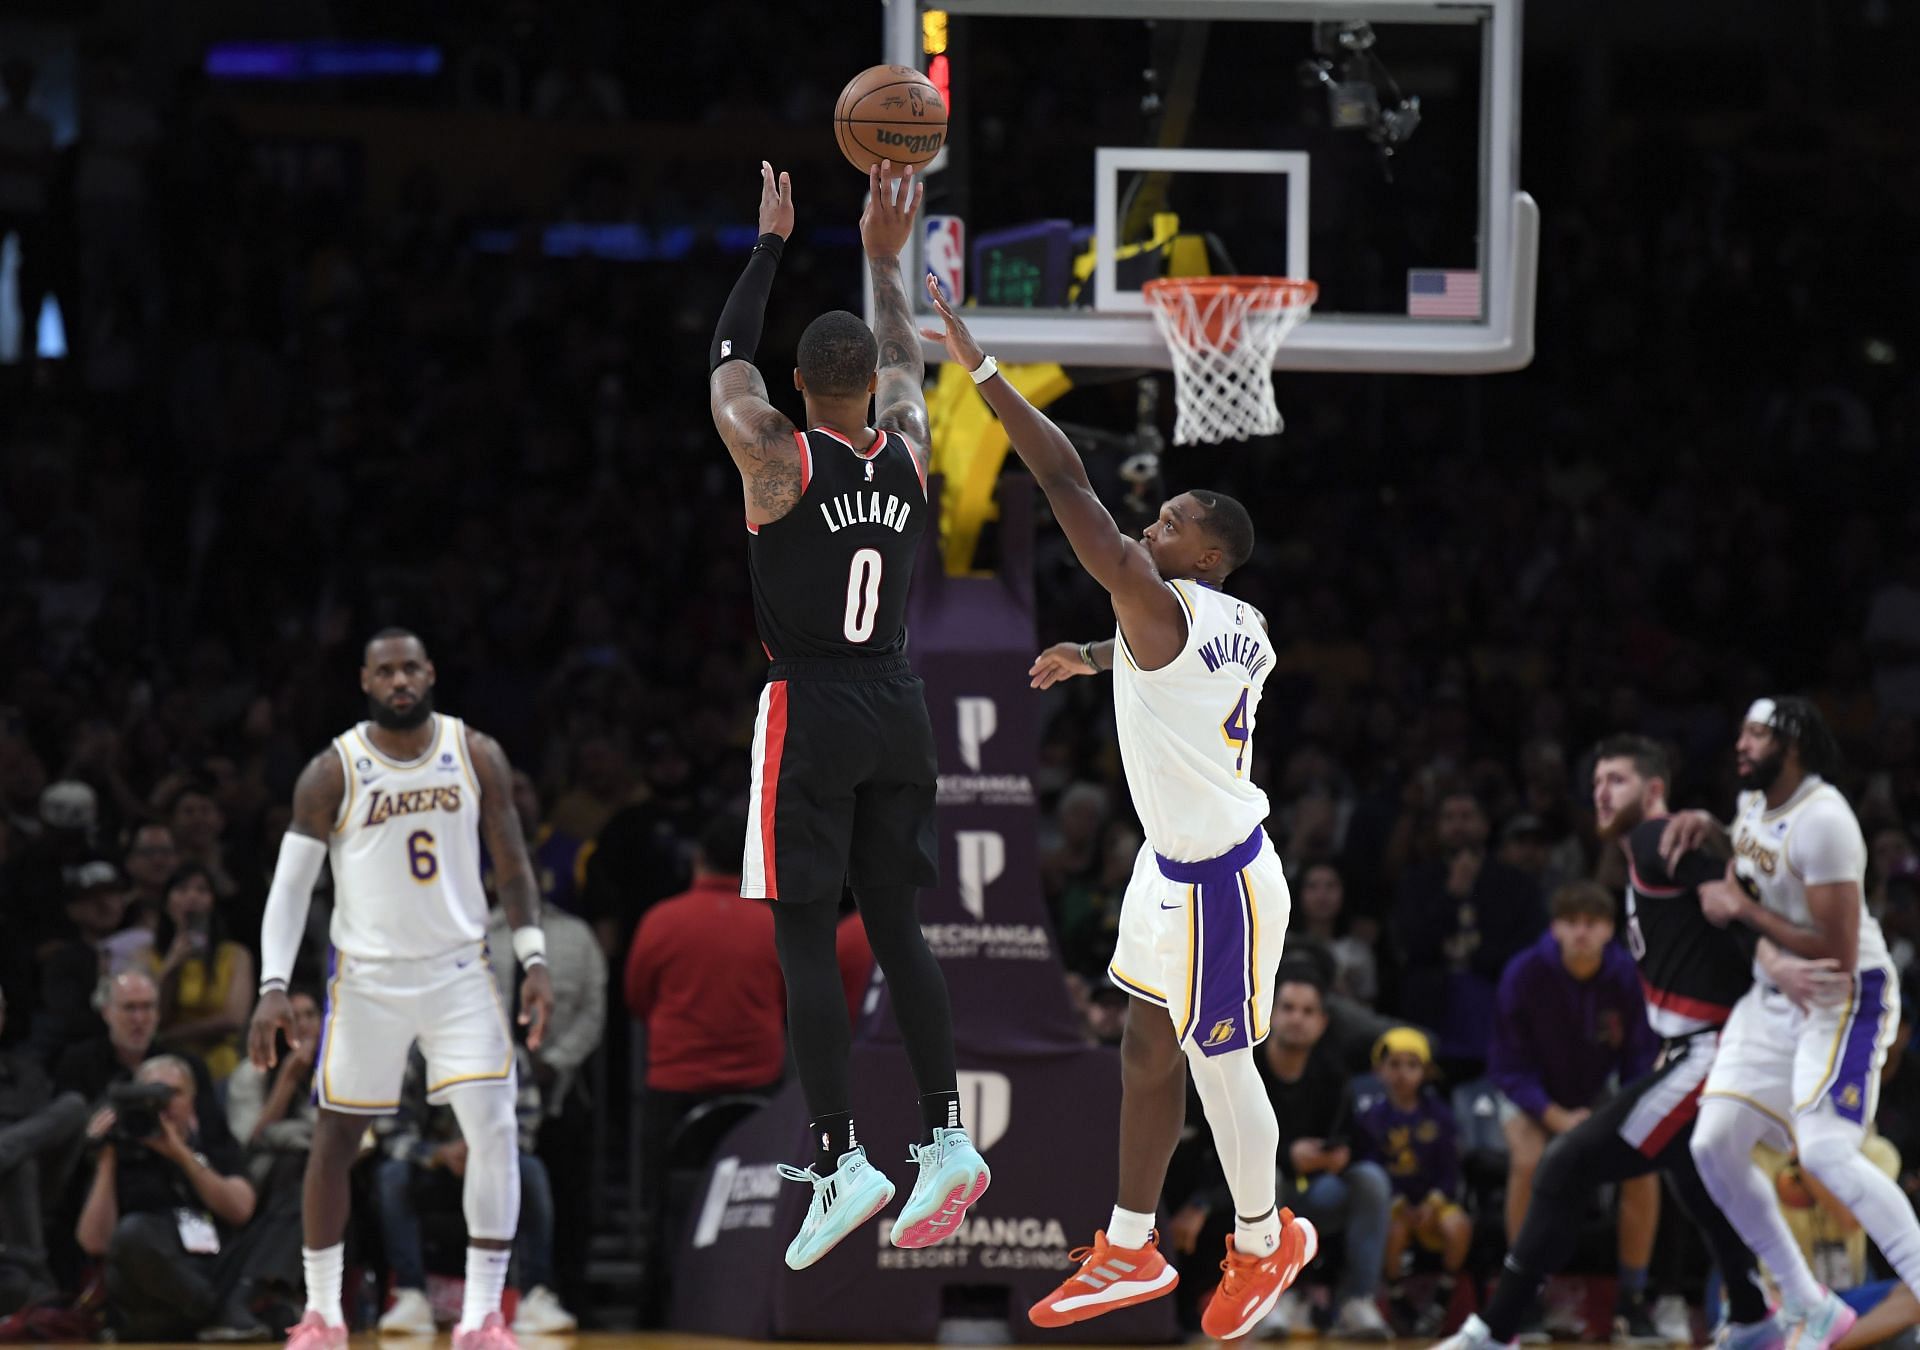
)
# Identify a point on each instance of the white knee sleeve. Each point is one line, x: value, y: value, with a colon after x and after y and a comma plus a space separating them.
x: 1723, y: 1140
x: 491, y: 1194
x: 1244, y: 1128
x: 1830, y: 1151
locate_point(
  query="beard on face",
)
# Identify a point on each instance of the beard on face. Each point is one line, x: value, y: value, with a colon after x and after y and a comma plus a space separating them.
x: 1761, y: 775
x: 1628, y: 816
x: 391, y: 720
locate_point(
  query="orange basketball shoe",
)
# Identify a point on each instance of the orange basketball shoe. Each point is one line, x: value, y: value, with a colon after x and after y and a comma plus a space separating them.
x: 1109, y: 1277
x: 1251, y: 1285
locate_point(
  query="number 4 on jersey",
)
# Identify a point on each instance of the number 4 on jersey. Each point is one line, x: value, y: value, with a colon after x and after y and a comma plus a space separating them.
x: 1236, y: 732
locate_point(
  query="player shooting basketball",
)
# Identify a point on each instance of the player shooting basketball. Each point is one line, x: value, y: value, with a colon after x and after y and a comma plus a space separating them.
x: 843, y: 757
x: 1205, y: 913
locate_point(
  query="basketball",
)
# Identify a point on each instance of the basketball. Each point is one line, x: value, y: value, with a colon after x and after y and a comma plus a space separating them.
x: 890, y: 112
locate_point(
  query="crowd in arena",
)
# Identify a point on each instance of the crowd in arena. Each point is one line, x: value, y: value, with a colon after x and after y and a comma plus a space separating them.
x: 284, y: 422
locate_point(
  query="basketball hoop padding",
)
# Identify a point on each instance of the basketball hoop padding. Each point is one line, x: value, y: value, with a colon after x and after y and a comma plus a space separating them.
x: 1223, y: 333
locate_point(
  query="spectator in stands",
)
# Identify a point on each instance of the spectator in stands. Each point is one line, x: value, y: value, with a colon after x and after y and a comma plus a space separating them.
x: 1459, y: 920
x: 206, y: 979
x: 602, y: 784
x: 1088, y: 913
x: 271, y: 1113
x: 421, y: 1174
x: 132, y: 1015
x: 164, y: 1210
x: 36, y: 1131
x: 644, y: 853
x: 1322, y: 898
x: 1410, y: 1132
x: 54, y: 842
x: 73, y: 966
x: 1572, y: 1019
x: 199, y: 827
x: 1320, y: 1179
x: 575, y: 1029
x: 559, y: 859
x: 150, y: 862
x: 1070, y: 842
x: 700, y: 1047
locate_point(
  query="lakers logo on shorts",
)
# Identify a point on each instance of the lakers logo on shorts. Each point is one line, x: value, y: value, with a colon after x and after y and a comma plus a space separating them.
x: 1850, y: 1097
x: 1222, y: 1032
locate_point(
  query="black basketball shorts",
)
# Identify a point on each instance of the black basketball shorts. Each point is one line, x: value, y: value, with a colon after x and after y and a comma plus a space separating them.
x: 844, y: 776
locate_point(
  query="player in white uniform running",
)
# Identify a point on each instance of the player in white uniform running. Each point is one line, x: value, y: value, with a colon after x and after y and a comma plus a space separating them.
x: 1205, y: 914
x: 1799, y: 1063
x: 397, y: 806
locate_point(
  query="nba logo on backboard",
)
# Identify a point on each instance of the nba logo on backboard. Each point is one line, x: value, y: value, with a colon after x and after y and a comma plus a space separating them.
x: 947, y: 255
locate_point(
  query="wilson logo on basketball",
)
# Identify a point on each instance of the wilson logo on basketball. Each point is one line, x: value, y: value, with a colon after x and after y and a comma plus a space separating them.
x: 919, y: 142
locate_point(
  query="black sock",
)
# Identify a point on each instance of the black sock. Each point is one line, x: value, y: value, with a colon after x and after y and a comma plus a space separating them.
x: 939, y: 1111
x: 832, y: 1136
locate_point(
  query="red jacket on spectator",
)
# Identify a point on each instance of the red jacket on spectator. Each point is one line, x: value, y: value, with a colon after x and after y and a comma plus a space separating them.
x: 704, y: 977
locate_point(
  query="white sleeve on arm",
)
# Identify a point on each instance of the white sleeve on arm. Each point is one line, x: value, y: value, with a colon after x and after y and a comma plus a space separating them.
x: 1826, y: 845
x: 285, y: 921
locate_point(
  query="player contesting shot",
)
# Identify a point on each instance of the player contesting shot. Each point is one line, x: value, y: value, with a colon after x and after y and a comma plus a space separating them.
x: 397, y: 807
x: 1205, y: 913
x: 1693, y: 973
x: 1800, y: 1060
x: 844, y: 768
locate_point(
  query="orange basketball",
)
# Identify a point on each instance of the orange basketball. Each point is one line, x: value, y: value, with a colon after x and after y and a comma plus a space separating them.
x: 890, y: 112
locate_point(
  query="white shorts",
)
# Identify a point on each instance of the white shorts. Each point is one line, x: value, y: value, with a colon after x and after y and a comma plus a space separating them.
x: 377, y: 1009
x: 1203, y: 941
x: 1788, y: 1065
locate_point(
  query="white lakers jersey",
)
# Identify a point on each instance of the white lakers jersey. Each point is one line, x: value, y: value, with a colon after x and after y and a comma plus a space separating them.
x: 406, y: 849
x: 1186, y: 730
x: 1811, y: 839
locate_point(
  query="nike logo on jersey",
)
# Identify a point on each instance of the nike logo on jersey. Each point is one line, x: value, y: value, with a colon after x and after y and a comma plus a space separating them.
x: 1235, y: 649
x: 865, y: 508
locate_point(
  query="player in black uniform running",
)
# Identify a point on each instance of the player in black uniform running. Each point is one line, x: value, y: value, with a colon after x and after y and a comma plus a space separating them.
x: 843, y: 756
x: 1693, y: 974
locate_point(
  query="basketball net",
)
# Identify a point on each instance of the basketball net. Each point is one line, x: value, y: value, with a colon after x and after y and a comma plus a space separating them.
x: 1223, y: 333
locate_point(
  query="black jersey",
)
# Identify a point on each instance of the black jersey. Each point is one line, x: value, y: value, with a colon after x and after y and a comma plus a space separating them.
x: 830, y: 577
x: 1692, y: 972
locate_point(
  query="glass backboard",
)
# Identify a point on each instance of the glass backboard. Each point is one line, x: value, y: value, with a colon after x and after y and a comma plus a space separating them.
x: 1371, y: 146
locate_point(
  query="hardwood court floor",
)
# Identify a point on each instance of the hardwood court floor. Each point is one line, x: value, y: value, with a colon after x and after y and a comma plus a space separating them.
x: 669, y: 1340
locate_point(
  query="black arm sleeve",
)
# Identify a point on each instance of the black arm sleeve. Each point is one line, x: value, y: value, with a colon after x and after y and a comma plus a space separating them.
x: 738, y: 336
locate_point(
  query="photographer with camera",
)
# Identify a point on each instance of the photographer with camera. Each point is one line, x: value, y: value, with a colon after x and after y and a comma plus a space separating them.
x: 163, y: 1212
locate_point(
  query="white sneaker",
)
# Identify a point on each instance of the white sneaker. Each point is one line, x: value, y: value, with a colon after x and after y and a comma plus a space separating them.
x: 1360, y: 1320
x: 540, y: 1313
x: 843, y: 1200
x: 1474, y: 1334
x: 1673, y: 1320
x: 410, y: 1315
x: 1287, y: 1314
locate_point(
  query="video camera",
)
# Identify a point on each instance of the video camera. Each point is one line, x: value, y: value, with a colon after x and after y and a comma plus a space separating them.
x: 136, y: 1110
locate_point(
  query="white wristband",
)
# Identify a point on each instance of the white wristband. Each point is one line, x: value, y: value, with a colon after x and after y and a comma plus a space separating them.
x: 985, y: 370
x: 530, y: 945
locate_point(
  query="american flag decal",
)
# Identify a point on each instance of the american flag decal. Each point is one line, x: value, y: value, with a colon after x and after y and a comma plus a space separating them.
x: 1438, y: 294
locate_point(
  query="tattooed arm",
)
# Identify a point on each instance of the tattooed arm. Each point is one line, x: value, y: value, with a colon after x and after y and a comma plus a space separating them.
x: 758, y: 435
x: 899, y: 396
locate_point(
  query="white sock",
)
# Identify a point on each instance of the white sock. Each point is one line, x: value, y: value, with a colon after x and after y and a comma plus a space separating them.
x: 1257, y: 1237
x: 486, y: 1277
x: 326, y: 1269
x: 1129, y: 1228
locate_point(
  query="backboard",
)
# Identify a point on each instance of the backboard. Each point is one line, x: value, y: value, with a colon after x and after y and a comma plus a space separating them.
x: 1370, y: 145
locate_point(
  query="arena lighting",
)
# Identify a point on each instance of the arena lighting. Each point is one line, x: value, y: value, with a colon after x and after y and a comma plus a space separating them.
x: 296, y: 61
